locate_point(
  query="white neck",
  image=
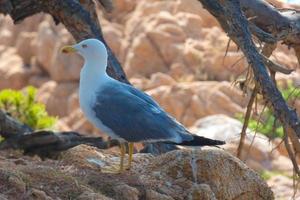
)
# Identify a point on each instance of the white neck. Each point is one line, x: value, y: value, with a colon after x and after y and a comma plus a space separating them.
x: 93, y: 75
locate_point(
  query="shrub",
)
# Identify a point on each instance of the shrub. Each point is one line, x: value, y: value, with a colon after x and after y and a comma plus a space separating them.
x: 22, y: 106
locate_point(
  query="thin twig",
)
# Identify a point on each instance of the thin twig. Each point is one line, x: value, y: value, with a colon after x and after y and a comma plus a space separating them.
x: 275, y: 66
x: 246, y: 121
x: 290, y: 152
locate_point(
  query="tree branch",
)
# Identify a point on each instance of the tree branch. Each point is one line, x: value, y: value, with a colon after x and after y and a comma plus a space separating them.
x: 43, y: 143
x: 80, y: 20
x: 10, y: 127
x: 233, y: 21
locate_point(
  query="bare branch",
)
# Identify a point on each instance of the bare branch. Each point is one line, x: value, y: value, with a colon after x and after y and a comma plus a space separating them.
x: 10, y: 127
x: 275, y: 66
x: 291, y: 154
x: 246, y: 121
x: 233, y: 21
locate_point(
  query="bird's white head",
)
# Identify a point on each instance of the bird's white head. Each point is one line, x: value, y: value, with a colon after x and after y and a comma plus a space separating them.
x: 92, y: 50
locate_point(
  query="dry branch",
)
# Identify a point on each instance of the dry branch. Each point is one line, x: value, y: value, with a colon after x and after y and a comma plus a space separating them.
x: 10, y: 127
x: 48, y: 144
x: 234, y: 22
x: 246, y: 121
x: 43, y: 143
x: 291, y: 153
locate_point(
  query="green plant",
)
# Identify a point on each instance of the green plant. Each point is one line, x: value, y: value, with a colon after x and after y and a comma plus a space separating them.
x: 266, y: 174
x: 266, y: 122
x: 23, y: 106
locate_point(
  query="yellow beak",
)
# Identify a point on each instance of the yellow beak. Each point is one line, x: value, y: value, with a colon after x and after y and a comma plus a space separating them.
x: 68, y: 49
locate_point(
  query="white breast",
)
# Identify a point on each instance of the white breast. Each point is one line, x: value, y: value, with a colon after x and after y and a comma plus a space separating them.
x: 88, y: 89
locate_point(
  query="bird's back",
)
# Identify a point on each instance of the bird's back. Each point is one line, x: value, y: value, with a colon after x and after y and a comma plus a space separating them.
x: 135, y: 116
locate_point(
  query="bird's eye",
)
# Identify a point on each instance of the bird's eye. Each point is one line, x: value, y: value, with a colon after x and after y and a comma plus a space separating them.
x: 84, y: 46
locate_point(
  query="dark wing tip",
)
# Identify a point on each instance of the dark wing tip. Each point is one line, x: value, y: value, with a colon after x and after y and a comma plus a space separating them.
x: 202, y: 141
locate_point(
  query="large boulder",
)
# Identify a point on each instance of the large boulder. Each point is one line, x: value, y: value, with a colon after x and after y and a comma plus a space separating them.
x: 259, y: 152
x: 184, y: 174
x: 224, y: 176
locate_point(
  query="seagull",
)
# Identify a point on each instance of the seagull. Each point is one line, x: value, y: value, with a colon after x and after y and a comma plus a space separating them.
x: 122, y: 111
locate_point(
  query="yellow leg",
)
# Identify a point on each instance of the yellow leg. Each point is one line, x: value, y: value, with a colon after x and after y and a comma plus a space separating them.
x: 123, y: 150
x: 130, y: 152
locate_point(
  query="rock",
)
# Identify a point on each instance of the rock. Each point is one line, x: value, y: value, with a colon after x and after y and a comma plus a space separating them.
x: 140, y: 83
x: 122, y: 8
x: 89, y: 195
x: 60, y: 67
x: 159, y: 79
x: 64, y: 67
x: 29, y: 24
x: 181, y: 174
x: 225, y: 68
x: 11, y: 183
x: 61, y: 125
x: 188, y: 102
x: 177, y: 175
x: 13, y: 73
x: 184, y: 168
x: 37, y: 195
x: 168, y: 32
x: 125, y: 192
x: 135, y: 60
x: 201, y: 192
x: 45, y: 44
x: 259, y: 152
x: 283, y: 187
x: 38, y: 80
x: 73, y: 102
x: 3, y: 197
x: 42, y: 180
x: 113, y: 35
x: 153, y: 195
x: 55, y: 96
x: 25, y: 46
x: 283, y: 165
x: 6, y: 37
x: 192, y: 6
x: 76, y: 121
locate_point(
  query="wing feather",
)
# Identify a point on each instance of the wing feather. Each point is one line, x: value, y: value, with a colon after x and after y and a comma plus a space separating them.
x: 135, y: 116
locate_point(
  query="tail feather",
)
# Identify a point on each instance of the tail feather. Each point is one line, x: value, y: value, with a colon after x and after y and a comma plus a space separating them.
x: 201, y: 141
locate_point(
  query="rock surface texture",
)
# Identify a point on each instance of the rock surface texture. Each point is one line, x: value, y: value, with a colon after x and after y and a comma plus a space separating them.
x: 182, y: 174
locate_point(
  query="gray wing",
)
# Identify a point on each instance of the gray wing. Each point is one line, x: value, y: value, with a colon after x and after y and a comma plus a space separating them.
x: 141, y: 95
x: 135, y: 116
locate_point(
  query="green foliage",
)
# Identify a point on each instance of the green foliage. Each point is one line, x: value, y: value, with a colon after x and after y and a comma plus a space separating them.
x: 267, y: 123
x: 266, y: 175
x: 23, y: 106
